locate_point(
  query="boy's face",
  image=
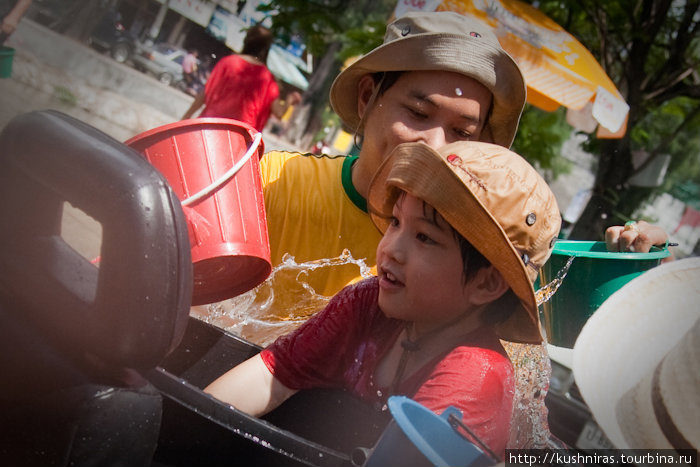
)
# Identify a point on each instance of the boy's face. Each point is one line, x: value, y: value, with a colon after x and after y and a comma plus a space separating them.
x: 433, y: 107
x: 420, y: 268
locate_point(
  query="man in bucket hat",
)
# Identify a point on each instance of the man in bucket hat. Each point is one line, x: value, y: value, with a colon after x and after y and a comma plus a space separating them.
x: 439, y: 78
x: 466, y: 229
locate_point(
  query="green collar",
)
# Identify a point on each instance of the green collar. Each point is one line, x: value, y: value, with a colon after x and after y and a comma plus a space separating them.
x: 349, y: 188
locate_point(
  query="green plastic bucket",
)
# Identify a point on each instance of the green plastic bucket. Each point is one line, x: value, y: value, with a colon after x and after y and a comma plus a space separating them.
x: 6, y: 56
x: 594, y: 275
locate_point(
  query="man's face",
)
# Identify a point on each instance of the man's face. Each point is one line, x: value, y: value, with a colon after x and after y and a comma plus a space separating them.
x: 433, y: 107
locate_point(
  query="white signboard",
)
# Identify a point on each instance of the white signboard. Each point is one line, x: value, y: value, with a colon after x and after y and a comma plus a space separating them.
x: 609, y: 110
x: 198, y: 11
x: 250, y: 14
x: 228, y: 28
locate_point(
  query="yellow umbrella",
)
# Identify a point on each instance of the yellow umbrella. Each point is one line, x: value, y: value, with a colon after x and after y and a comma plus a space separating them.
x: 558, y: 69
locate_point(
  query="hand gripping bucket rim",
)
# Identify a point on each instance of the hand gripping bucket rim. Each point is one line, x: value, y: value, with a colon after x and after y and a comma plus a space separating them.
x: 594, y: 275
x: 592, y: 249
x: 221, y: 194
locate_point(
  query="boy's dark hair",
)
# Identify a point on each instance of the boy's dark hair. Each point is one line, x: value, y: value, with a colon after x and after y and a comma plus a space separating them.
x: 500, y: 309
x: 257, y: 42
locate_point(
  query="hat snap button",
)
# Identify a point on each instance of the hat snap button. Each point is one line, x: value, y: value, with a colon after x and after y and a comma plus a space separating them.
x: 531, y: 218
x: 474, y: 34
x: 406, y: 30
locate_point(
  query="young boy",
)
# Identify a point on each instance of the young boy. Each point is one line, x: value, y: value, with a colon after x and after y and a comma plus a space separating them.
x: 466, y: 229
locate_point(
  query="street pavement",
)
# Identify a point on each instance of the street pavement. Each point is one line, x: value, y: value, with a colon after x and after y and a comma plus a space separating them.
x: 51, y: 71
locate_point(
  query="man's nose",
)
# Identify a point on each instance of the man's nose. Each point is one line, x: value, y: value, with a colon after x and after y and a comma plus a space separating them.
x: 434, y: 137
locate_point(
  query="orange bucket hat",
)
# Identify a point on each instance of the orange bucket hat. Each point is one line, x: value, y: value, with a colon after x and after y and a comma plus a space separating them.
x: 494, y: 198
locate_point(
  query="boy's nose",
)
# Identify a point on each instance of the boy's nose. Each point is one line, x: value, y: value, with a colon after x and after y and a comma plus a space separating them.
x: 392, y: 246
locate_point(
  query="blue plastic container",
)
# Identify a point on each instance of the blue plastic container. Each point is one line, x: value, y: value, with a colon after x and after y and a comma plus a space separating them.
x: 419, y: 437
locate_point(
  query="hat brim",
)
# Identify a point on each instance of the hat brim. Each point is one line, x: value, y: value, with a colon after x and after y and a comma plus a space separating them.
x: 413, y: 168
x: 489, y: 65
x: 630, y: 333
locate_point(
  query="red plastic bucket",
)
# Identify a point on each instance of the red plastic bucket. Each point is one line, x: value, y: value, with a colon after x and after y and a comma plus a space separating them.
x: 212, y: 165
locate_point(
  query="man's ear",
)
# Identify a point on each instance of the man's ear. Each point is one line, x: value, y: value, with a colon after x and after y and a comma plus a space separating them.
x: 365, y: 89
x: 487, y: 286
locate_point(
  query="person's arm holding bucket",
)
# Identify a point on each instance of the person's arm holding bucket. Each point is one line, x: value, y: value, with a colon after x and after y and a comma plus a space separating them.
x: 251, y: 388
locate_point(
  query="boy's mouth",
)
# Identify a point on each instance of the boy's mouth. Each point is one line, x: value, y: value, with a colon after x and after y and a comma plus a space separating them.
x: 389, y: 279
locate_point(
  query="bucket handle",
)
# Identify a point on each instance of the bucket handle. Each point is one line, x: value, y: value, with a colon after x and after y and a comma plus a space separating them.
x: 252, y: 149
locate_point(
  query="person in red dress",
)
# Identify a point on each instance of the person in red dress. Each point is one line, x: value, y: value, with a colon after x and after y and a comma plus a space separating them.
x: 241, y: 86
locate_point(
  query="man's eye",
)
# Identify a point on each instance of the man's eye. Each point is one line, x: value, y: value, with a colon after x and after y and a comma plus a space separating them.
x: 463, y: 134
x: 416, y: 112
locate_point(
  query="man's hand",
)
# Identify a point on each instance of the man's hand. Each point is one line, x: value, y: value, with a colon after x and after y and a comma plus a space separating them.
x: 634, y: 236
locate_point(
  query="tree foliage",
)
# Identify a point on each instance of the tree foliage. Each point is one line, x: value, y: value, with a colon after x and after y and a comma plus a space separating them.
x: 540, y: 138
x: 651, y: 50
x: 333, y: 30
x: 357, y: 24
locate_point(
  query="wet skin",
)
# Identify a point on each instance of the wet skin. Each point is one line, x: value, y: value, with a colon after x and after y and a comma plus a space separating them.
x: 433, y: 107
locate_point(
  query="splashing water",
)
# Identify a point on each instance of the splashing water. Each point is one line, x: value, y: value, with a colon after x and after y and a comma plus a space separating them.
x: 529, y: 427
x: 546, y: 292
x: 261, y: 316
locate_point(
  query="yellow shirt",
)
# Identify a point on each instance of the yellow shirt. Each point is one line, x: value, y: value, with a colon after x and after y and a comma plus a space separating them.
x: 314, y: 212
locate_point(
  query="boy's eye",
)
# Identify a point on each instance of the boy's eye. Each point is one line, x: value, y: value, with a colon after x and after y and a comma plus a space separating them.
x: 393, y: 221
x: 423, y: 238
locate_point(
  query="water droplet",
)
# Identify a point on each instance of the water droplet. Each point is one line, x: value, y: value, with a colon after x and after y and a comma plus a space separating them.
x: 544, y: 293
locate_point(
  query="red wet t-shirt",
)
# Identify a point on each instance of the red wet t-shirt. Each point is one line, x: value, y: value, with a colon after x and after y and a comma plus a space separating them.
x: 341, y: 346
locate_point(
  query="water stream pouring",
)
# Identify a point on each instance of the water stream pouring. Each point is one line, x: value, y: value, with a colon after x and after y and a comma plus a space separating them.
x: 213, y: 166
x: 593, y: 276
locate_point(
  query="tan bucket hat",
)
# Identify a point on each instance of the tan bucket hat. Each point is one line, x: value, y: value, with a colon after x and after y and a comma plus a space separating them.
x: 444, y: 41
x: 490, y: 195
x: 637, y: 360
